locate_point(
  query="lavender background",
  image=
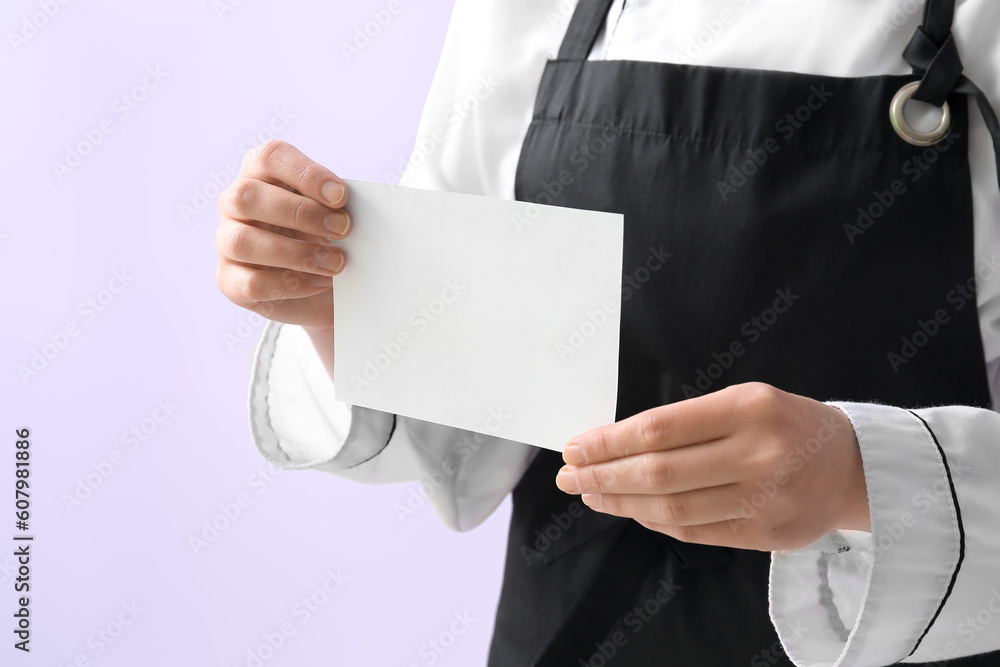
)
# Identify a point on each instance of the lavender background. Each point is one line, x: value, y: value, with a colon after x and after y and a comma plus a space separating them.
x: 231, y: 73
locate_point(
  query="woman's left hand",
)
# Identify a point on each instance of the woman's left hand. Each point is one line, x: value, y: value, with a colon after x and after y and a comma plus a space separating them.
x: 748, y: 466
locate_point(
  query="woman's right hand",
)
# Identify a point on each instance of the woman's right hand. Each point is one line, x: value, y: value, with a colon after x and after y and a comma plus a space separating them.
x: 277, y: 220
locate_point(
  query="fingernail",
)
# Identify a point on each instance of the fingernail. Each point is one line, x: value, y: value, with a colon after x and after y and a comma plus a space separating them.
x: 321, y: 281
x: 333, y: 192
x: 338, y: 222
x: 574, y: 455
x: 566, y: 480
x: 592, y: 500
x: 330, y: 260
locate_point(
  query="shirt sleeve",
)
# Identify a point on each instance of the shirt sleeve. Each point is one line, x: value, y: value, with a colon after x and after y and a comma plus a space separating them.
x: 297, y: 423
x: 924, y: 585
x: 468, y: 140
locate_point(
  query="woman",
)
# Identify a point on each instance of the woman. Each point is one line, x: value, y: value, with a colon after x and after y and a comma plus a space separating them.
x: 829, y: 276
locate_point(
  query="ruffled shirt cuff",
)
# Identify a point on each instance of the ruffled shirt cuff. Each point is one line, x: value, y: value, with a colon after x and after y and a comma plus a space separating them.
x: 295, y: 420
x: 860, y: 599
x: 297, y: 423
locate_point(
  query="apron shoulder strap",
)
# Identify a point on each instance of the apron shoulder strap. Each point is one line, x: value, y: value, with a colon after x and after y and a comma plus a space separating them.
x: 938, y: 17
x: 584, y: 27
x: 934, y: 56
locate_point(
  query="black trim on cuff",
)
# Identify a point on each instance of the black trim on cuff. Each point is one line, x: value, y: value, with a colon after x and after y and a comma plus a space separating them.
x: 392, y: 430
x: 961, y: 533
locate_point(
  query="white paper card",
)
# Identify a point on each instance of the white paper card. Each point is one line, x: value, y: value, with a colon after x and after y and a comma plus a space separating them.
x: 486, y: 314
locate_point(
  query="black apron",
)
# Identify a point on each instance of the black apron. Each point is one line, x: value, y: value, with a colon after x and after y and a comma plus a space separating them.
x: 777, y: 229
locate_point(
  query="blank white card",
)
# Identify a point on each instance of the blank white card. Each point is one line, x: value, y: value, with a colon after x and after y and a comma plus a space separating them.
x: 490, y: 315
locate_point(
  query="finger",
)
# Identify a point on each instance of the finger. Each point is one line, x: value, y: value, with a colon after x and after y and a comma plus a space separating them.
x: 248, y: 286
x: 291, y: 233
x: 248, y: 244
x: 672, y: 471
x: 314, y: 311
x: 691, y: 508
x: 689, y: 422
x: 282, y: 162
x: 253, y: 199
x: 720, y: 534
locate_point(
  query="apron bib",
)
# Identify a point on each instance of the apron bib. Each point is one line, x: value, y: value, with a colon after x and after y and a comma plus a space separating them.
x: 777, y: 229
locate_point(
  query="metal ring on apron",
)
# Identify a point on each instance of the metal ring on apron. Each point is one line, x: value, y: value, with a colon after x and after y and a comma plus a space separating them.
x: 905, y: 130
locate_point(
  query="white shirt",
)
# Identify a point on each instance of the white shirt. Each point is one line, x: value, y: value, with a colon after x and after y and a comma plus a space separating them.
x: 866, y: 605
